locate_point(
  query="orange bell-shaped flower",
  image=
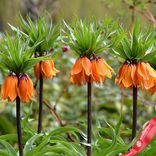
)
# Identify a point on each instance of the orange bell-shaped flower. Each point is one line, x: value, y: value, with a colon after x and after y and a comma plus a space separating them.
x: 146, y: 75
x: 47, y: 69
x: 25, y: 88
x: 81, y: 71
x: 9, y: 88
x: 100, y: 70
x: 127, y: 76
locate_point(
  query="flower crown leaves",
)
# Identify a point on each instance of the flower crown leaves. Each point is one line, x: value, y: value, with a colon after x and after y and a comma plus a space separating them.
x: 88, y: 39
x: 39, y: 32
x: 137, y: 45
x: 16, y: 55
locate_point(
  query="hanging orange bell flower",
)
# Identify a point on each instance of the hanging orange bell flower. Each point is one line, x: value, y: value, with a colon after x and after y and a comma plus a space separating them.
x: 81, y: 71
x: 146, y: 75
x: 138, y: 74
x: 9, y: 88
x: 47, y: 69
x: 127, y: 76
x: 25, y: 88
x: 100, y: 70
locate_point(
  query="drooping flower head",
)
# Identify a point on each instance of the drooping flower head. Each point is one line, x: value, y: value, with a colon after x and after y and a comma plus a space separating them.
x: 46, y: 35
x: 100, y: 70
x: 25, y: 88
x: 88, y: 40
x: 9, y: 87
x: 16, y: 57
x: 46, y: 68
x: 136, y: 49
x: 81, y: 71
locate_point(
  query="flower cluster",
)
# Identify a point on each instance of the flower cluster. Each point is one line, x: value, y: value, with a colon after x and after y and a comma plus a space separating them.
x: 46, y: 68
x: 13, y: 87
x: 85, y: 70
x: 136, y: 74
x: 137, y: 49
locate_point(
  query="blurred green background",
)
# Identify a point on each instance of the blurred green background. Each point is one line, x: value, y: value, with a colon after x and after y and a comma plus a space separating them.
x: 69, y: 102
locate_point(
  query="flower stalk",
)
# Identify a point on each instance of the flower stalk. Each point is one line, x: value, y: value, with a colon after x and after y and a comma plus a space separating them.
x: 134, y: 126
x: 89, y: 129
x: 40, y: 102
x: 18, y: 124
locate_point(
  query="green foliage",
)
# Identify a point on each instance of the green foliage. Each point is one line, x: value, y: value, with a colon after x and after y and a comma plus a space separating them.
x: 88, y: 39
x: 8, y: 149
x: 16, y: 55
x: 47, y: 144
x: 40, y: 32
x: 109, y: 141
x: 137, y: 45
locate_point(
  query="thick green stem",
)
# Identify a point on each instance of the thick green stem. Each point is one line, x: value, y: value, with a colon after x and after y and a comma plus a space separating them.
x: 18, y: 123
x: 135, y: 90
x: 40, y: 103
x: 89, y: 130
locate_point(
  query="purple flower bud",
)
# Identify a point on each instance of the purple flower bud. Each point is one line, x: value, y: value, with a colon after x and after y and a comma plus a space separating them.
x: 65, y: 48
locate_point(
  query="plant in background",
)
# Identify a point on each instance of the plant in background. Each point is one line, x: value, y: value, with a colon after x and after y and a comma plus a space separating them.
x: 16, y: 57
x: 137, y: 48
x: 47, y: 34
x: 88, y: 40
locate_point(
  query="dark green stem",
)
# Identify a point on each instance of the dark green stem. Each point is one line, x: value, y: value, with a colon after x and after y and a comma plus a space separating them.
x: 18, y: 123
x: 89, y: 130
x: 40, y: 103
x: 135, y: 90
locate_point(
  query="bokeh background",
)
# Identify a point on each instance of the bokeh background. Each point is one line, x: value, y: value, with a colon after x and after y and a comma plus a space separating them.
x: 66, y: 104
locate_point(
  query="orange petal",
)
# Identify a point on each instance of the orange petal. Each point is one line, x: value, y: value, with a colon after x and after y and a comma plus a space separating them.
x: 120, y: 75
x: 46, y: 69
x: 13, y: 89
x: 37, y: 71
x: 6, y: 87
x: 95, y: 75
x: 134, y: 75
x: 127, y: 81
x: 77, y: 67
x: 103, y: 68
x: 30, y: 87
x: 87, y: 66
x: 54, y: 70
x: 150, y: 70
x: 142, y: 71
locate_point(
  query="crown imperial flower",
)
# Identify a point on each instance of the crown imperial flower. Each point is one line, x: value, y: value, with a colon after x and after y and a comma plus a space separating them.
x: 81, y: 71
x: 100, y: 70
x: 47, y: 69
x: 25, y: 88
x: 9, y: 88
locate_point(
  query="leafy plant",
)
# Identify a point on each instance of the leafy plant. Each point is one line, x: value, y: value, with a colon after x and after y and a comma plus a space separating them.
x: 137, y: 45
x: 16, y: 55
x: 47, y: 144
x: 109, y: 141
x: 88, y: 39
x: 39, y: 31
